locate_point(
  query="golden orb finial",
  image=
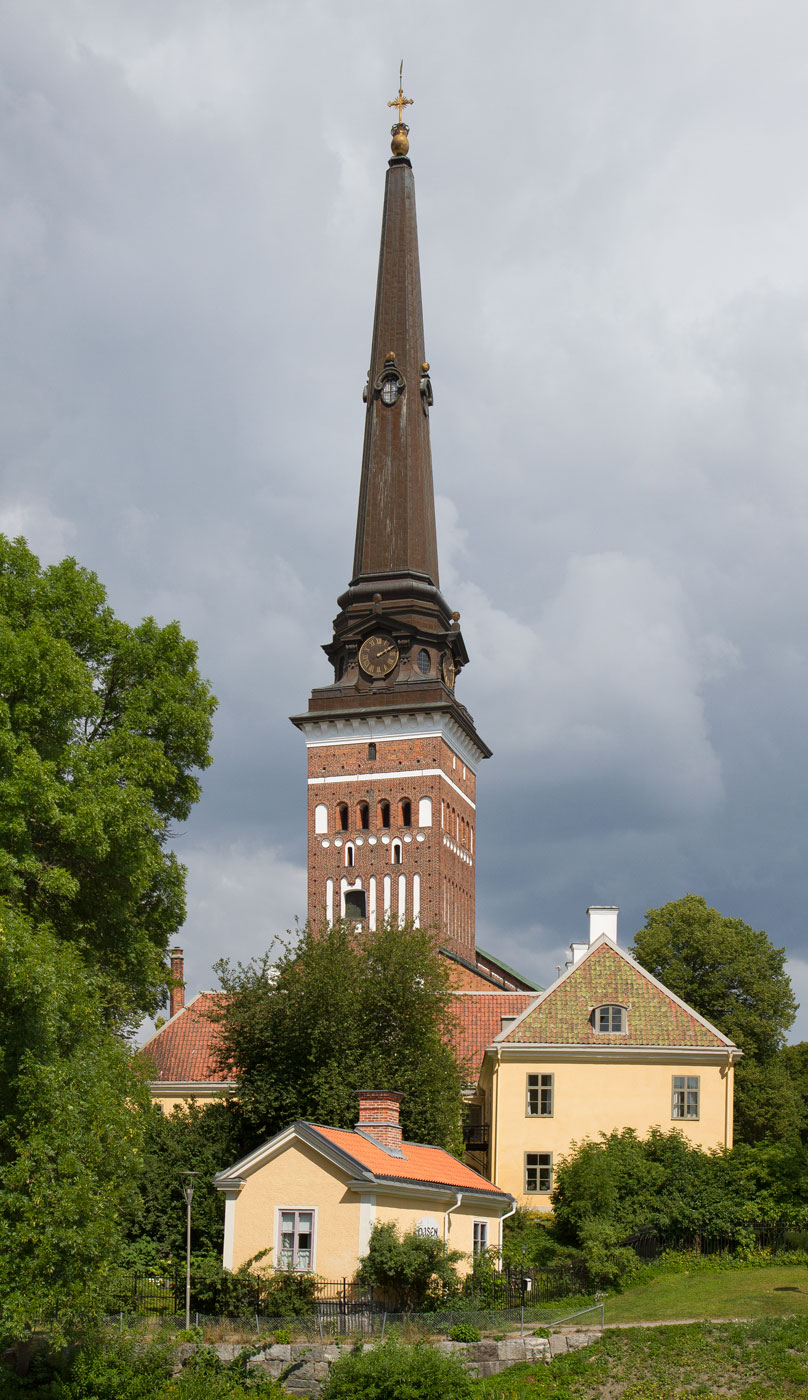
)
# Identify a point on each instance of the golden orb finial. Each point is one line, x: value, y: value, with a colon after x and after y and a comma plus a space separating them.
x: 399, y: 144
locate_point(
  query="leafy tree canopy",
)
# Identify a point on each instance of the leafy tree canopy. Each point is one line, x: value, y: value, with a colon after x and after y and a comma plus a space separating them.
x: 70, y: 1126
x: 102, y: 729
x: 204, y: 1140
x: 734, y: 976
x: 665, y: 1182
x: 722, y: 967
x: 341, y: 1011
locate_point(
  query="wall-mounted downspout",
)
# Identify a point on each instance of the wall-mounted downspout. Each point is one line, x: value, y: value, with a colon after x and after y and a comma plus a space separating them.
x: 446, y: 1219
x: 495, y: 1118
x: 728, y: 1076
x: 505, y: 1217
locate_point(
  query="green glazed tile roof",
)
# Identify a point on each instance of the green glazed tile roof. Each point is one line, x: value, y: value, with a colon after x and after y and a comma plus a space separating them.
x: 607, y: 976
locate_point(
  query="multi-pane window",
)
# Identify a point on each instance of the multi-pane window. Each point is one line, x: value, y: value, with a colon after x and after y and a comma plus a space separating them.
x: 609, y: 1020
x: 480, y: 1244
x: 538, y: 1171
x: 685, y: 1096
x: 540, y: 1096
x: 296, y: 1239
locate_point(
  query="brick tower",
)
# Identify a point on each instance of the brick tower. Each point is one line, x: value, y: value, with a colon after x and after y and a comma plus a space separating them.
x: 392, y: 753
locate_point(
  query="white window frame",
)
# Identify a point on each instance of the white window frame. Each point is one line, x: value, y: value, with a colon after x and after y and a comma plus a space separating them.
x: 296, y: 1211
x: 686, y: 1095
x: 539, y: 1166
x: 611, y: 1007
x: 545, y: 1086
x: 479, y: 1232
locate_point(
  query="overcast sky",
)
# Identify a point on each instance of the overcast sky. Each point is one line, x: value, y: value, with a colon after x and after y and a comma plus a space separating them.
x: 613, y: 219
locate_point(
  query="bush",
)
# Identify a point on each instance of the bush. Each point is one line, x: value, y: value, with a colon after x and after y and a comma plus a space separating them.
x: 289, y: 1295
x: 464, y: 1332
x: 396, y: 1372
x: 416, y: 1269
x: 608, y: 1263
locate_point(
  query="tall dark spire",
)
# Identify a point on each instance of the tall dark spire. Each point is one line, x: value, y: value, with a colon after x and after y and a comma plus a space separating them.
x: 395, y: 640
x: 395, y: 528
x: 392, y: 753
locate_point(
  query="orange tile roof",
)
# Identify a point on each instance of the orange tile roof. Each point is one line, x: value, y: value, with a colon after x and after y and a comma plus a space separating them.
x: 431, y: 1165
x: 478, y: 1016
x: 182, y: 1051
x: 607, y: 975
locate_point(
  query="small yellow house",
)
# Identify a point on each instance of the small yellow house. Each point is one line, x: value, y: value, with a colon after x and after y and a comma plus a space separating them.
x: 312, y: 1194
x: 605, y: 1047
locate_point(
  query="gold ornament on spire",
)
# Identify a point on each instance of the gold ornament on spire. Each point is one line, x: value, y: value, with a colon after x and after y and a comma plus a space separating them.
x: 399, y: 144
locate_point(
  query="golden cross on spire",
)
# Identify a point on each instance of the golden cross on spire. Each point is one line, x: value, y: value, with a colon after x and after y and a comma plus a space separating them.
x: 401, y: 101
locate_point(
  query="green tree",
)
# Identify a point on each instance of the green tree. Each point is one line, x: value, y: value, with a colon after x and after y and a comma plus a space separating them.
x: 662, y: 1181
x: 734, y: 976
x: 204, y: 1140
x: 338, y: 1012
x: 71, y: 1109
x: 102, y: 727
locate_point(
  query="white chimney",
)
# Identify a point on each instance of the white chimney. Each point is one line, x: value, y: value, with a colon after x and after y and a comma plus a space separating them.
x: 602, y: 919
x: 577, y: 951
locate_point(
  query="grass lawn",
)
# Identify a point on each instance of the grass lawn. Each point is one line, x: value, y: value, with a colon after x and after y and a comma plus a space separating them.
x: 763, y: 1360
x: 768, y: 1292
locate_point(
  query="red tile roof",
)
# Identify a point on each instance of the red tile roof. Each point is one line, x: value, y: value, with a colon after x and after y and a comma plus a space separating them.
x: 182, y: 1051
x: 479, y: 1019
x: 420, y: 1163
x: 607, y: 975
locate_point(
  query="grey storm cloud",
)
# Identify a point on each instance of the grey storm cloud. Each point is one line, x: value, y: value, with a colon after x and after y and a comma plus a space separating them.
x: 613, y: 223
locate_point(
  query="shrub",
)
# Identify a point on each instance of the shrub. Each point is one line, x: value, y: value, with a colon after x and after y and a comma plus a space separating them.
x: 416, y: 1269
x: 396, y: 1372
x: 608, y: 1263
x: 464, y: 1332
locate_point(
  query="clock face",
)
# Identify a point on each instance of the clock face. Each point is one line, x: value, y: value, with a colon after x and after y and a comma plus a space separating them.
x: 377, y: 656
x: 447, y: 668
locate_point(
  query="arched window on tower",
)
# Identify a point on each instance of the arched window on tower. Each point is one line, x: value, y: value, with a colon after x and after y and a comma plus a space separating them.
x: 362, y: 816
x: 349, y: 853
x: 384, y: 814
x: 405, y: 812
x: 395, y: 853
x: 425, y: 811
x: 342, y: 816
x: 320, y: 818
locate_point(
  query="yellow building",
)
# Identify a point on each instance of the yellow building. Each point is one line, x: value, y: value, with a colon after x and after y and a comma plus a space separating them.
x: 312, y: 1194
x: 605, y: 1047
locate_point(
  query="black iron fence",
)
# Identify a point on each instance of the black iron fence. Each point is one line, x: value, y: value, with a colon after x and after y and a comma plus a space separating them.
x: 773, y: 1235
x: 328, y: 1301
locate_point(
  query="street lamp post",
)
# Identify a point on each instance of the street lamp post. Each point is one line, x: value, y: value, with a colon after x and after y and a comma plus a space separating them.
x: 188, y: 1193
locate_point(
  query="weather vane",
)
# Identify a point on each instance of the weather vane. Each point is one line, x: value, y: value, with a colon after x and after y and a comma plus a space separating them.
x: 400, y: 144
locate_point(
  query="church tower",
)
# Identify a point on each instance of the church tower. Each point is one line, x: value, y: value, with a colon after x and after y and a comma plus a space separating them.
x: 392, y: 753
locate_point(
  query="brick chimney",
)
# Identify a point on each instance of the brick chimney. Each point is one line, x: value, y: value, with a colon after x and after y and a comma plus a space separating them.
x: 378, y: 1116
x: 176, y: 996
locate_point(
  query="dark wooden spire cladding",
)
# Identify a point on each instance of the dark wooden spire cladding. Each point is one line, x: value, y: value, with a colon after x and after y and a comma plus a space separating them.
x: 395, y: 528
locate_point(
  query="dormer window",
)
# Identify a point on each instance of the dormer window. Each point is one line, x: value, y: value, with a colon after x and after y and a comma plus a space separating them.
x: 609, y: 1020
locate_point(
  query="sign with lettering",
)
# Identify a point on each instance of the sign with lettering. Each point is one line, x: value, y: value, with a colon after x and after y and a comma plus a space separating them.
x: 429, y: 1227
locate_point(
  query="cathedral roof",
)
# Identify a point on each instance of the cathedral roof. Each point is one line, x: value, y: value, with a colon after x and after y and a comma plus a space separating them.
x: 606, y: 975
